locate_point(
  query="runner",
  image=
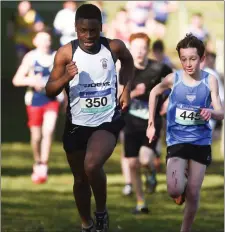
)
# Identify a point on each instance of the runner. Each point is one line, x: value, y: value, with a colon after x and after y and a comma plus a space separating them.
x: 42, y: 111
x: 189, y: 134
x: 86, y: 69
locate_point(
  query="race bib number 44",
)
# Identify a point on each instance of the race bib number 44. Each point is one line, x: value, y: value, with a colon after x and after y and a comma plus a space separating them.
x: 96, y: 101
x: 186, y: 115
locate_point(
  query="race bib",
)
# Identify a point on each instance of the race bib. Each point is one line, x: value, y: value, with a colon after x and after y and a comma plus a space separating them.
x: 96, y: 101
x: 139, y: 109
x: 188, y: 115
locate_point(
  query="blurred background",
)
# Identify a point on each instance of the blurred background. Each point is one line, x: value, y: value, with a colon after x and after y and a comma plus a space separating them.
x: 170, y: 27
x: 164, y: 21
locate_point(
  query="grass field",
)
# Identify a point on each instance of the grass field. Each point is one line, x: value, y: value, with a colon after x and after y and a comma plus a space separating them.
x: 50, y: 207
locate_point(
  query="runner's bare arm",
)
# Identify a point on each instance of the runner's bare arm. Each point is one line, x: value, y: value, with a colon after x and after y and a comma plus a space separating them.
x: 218, y: 112
x: 21, y: 77
x: 63, y: 71
x: 166, y: 83
x: 121, y: 52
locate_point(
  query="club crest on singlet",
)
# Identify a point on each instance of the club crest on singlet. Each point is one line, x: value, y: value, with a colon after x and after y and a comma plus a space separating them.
x: 104, y: 63
x: 191, y: 97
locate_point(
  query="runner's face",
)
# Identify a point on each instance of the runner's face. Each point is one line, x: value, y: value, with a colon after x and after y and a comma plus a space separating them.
x: 190, y: 60
x: 43, y: 41
x: 88, y: 33
x: 139, y: 50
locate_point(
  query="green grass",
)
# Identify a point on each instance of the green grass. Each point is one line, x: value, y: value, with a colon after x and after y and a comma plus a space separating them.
x: 50, y: 207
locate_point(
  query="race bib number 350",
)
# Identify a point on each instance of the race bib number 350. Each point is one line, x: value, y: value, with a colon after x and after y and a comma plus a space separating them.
x: 188, y: 116
x: 96, y: 101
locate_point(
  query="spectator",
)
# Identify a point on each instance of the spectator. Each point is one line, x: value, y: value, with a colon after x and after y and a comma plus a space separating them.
x: 138, y: 13
x: 119, y: 27
x: 100, y: 5
x: 156, y: 24
x: 197, y: 27
x: 22, y: 28
x: 64, y: 23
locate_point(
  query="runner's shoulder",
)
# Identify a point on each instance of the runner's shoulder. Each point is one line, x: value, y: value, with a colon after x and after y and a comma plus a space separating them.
x: 65, y: 53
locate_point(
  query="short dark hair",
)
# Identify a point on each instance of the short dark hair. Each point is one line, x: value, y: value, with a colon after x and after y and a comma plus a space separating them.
x: 191, y: 41
x: 158, y: 46
x: 198, y: 14
x: 123, y: 9
x: 88, y: 11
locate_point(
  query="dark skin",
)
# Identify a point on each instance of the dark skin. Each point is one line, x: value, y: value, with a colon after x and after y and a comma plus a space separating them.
x: 87, y: 165
x: 64, y: 70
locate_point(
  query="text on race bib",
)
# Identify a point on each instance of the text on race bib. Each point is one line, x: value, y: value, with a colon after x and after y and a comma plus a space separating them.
x: 186, y: 115
x: 96, y: 101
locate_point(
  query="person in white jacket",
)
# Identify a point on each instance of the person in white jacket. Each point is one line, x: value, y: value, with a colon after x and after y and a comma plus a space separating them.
x: 64, y: 22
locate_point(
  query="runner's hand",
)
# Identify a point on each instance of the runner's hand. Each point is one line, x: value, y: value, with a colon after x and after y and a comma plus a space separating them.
x: 150, y: 133
x: 205, y: 114
x: 124, y: 100
x: 37, y: 82
x: 140, y: 89
x: 71, y: 70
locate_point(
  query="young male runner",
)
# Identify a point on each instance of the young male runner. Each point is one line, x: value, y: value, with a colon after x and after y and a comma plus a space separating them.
x: 189, y: 134
x: 86, y: 69
x: 148, y: 73
x: 42, y: 110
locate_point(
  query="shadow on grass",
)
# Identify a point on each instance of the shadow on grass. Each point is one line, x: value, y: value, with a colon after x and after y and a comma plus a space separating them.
x: 51, y: 211
x: 60, y: 166
x: 112, y: 167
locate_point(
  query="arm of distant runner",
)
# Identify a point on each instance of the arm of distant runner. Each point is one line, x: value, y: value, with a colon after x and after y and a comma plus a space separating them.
x: 217, y: 112
x: 59, y: 77
x: 21, y: 77
x: 126, y: 71
x: 166, y: 83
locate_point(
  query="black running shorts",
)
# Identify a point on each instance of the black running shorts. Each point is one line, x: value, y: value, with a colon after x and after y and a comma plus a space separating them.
x: 135, y: 137
x: 198, y: 153
x: 76, y: 137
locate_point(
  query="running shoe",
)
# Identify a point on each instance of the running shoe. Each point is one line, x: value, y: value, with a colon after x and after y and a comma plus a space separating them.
x: 102, y: 222
x: 40, y: 173
x: 180, y: 200
x: 143, y: 210
x: 127, y: 190
x: 150, y: 184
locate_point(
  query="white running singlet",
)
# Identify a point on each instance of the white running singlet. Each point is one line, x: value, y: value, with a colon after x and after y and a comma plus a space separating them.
x: 92, y: 93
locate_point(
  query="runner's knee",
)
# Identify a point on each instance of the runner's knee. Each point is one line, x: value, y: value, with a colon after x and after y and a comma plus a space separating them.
x: 91, y: 168
x: 192, y: 192
x: 35, y: 137
x: 174, y: 187
x: 133, y: 163
x: 146, y: 155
